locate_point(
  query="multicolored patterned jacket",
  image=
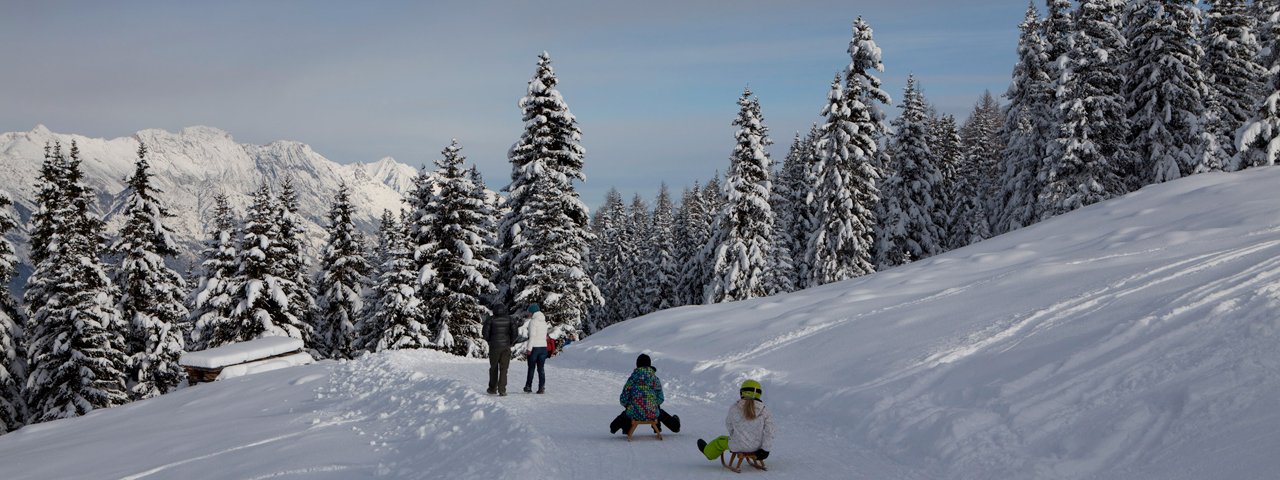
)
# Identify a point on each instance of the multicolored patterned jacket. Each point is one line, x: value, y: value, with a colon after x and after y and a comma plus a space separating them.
x: 642, y: 394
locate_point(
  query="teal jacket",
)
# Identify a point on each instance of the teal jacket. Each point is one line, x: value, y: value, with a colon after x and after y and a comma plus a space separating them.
x: 642, y: 395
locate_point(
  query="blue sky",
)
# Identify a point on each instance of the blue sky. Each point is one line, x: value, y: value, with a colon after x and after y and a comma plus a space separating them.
x: 654, y: 84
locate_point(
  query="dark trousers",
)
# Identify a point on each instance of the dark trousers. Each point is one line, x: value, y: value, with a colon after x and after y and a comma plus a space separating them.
x: 538, y: 359
x: 623, y: 421
x: 499, y: 360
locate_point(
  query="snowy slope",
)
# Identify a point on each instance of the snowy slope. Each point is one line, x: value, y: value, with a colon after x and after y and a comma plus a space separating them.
x: 194, y: 164
x: 1132, y: 339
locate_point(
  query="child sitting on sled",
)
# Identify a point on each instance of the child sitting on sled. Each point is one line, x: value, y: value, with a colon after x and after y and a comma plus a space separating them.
x: 750, y: 427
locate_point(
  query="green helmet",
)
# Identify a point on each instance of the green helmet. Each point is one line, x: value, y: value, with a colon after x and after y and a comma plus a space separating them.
x: 751, y: 389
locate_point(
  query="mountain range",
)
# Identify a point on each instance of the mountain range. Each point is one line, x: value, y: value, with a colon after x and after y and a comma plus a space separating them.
x: 193, y: 165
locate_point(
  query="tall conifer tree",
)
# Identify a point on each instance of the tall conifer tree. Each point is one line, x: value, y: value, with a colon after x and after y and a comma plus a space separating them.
x: 609, y: 257
x: 1166, y: 92
x: 1026, y: 130
x: 638, y: 230
x: 261, y: 295
x: 75, y: 334
x: 841, y: 244
x: 693, y: 229
x: 742, y: 236
x: 662, y: 279
x: 290, y: 261
x: 152, y: 294
x: 1232, y: 71
x: 395, y: 319
x: 213, y: 301
x: 461, y: 257
x: 1082, y: 165
x: 343, y: 270
x: 913, y: 221
x: 13, y: 368
x: 544, y: 236
x: 1259, y: 139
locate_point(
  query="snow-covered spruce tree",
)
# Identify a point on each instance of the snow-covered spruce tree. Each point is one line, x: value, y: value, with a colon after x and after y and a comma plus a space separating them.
x: 553, y: 273
x: 608, y: 259
x: 983, y: 148
x: 742, y: 235
x: 395, y: 319
x: 1056, y: 29
x: 786, y: 198
x: 693, y: 229
x: 1027, y: 130
x: 638, y: 231
x: 804, y: 198
x: 945, y: 144
x: 912, y: 225
x: 544, y: 235
x: 1232, y: 71
x: 13, y: 362
x: 341, y: 280
x: 699, y: 270
x: 260, y: 295
x: 1166, y: 92
x: 74, y: 332
x: 212, y: 301
x: 290, y: 259
x: 713, y: 197
x: 151, y: 294
x: 379, y: 254
x: 461, y: 257
x: 1081, y: 168
x: 841, y: 244
x: 661, y: 280
x: 1258, y: 140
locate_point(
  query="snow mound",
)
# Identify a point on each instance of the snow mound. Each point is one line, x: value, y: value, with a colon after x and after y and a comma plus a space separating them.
x: 251, y: 368
x: 241, y: 352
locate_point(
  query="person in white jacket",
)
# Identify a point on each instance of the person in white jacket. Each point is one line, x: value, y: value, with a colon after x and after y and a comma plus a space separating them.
x: 537, y: 349
x: 750, y: 426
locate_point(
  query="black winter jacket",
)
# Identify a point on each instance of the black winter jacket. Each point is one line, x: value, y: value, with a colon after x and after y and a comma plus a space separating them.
x: 500, y: 332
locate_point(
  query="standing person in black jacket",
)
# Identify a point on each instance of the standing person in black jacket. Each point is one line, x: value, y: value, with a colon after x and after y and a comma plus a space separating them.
x: 500, y: 332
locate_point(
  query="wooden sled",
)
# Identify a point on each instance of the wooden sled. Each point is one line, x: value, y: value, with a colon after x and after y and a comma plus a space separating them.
x: 657, y: 429
x: 735, y: 461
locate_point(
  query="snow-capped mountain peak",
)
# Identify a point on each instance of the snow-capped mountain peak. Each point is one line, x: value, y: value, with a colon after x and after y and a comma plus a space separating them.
x: 196, y: 163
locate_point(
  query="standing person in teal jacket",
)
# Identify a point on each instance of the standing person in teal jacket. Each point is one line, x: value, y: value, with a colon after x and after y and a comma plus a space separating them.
x: 642, y: 398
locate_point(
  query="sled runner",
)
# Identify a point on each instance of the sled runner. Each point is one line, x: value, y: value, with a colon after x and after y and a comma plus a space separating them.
x: 657, y: 429
x: 750, y: 457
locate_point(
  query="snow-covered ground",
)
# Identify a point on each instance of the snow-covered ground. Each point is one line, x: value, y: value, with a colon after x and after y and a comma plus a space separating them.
x: 1132, y: 339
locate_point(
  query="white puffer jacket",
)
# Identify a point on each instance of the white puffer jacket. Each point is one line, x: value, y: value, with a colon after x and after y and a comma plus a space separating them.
x: 749, y: 435
x: 537, y: 330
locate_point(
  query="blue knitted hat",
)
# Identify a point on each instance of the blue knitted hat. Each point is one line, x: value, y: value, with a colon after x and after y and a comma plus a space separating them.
x: 533, y: 308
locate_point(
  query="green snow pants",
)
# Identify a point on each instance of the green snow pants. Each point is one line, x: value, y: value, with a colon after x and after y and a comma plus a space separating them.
x: 716, y: 447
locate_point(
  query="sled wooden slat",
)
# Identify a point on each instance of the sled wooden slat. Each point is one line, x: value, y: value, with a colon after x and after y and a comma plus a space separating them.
x: 735, y: 461
x: 657, y: 429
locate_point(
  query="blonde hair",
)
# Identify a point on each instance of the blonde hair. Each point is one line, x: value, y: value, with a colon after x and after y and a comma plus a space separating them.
x: 748, y: 408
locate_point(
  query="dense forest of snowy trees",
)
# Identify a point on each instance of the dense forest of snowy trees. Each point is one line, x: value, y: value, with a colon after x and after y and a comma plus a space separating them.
x: 1106, y: 97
